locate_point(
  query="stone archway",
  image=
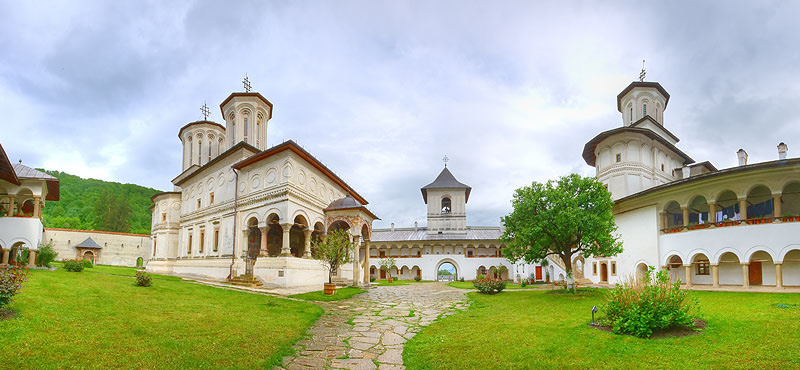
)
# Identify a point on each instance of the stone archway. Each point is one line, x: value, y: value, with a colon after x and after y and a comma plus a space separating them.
x: 578, y: 267
x: 451, y: 262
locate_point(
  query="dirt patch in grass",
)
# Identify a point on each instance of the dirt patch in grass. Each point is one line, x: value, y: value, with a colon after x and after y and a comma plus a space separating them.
x: 6, y: 314
x: 676, y: 332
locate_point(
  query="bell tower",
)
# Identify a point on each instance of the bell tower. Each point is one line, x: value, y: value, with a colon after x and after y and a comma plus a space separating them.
x: 246, y: 115
x: 447, y: 200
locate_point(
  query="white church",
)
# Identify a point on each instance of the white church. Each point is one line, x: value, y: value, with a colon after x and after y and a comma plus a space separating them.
x: 735, y: 228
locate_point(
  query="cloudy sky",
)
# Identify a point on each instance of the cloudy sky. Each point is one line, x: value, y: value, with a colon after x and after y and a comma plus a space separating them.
x: 380, y: 91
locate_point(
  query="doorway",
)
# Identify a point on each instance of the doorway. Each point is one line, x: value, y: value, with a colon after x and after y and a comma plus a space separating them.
x: 755, y: 273
x: 604, y: 271
x: 538, y: 273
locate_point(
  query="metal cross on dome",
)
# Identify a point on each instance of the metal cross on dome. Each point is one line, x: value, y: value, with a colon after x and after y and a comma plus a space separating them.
x: 445, y: 160
x: 206, y: 112
x: 246, y: 83
x: 643, y: 73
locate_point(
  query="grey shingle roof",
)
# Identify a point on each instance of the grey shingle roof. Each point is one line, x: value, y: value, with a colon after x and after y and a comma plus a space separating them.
x: 445, y: 180
x: 25, y: 172
x: 88, y: 243
x: 421, y: 234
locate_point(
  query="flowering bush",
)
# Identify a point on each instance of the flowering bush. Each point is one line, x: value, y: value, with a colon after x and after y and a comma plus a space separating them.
x: 11, y: 281
x: 73, y: 265
x: 143, y: 279
x: 641, y: 306
x: 489, y: 285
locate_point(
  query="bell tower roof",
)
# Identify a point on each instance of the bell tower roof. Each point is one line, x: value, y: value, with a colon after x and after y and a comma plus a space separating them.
x: 445, y: 180
x: 642, y: 84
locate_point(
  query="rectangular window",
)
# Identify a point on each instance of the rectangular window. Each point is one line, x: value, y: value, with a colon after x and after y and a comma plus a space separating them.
x: 594, y: 268
x: 198, y: 204
x: 155, y: 244
x: 189, y: 247
x: 202, y: 241
x: 662, y: 167
x: 211, y: 199
x: 613, y: 268
x: 216, y: 240
x: 619, y: 157
x: 703, y: 268
x: 164, y: 217
x: 383, y: 254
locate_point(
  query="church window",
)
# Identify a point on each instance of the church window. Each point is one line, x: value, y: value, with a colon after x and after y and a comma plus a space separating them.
x: 644, y: 110
x: 594, y: 268
x: 191, y: 150
x: 258, y: 130
x: 198, y: 204
x: 702, y: 268
x: 245, y: 129
x: 155, y: 244
x: 216, y: 239
x: 189, y: 248
x: 619, y: 157
x: 209, y: 150
x: 631, y: 118
x: 233, y: 133
x: 662, y: 167
x: 199, y: 151
x: 164, y: 217
x: 446, y: 205
x: 613, y: 268
x: 211, y: 199
x: 202, y: 240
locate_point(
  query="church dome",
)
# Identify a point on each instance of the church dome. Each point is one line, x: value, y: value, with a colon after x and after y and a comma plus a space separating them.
x: 348, y: 202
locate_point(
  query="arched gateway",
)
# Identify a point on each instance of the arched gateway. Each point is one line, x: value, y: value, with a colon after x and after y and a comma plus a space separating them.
x: 444, y: 263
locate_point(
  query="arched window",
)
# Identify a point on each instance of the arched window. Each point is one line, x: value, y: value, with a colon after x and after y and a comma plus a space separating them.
x: 446, y: 205
x: 644, y: 110
x: 631, y: 116
x: 199, y: 150
x: 233, y: 133
x: 245, y: 128
x: 191, y: 150
x: 209, y: 150
x: 258, y: 130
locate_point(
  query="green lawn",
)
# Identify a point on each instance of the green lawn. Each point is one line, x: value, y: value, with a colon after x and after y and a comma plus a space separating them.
x: 341, y: 293
x: 468, y: 285
x: 86, y: 319
x: 119, y: 270
x: 534, y: 329
x: 397, y: 282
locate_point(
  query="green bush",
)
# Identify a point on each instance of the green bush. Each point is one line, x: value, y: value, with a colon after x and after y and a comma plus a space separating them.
x: 143, y: 279
x: 372, y: 280
x: 11, y: 280
x: 46, y: 255
x: 73, y: 265
x: 642, y: 306
x: 417, y: 278
x: 22, y: 257
x: 489, y: 285
x: 88, y: 264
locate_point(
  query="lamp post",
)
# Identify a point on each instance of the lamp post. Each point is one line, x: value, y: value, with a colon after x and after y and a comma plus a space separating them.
x: 594, y: 310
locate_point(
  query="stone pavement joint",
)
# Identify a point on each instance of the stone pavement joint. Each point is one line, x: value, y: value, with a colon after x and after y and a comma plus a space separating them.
x: 370, y: 330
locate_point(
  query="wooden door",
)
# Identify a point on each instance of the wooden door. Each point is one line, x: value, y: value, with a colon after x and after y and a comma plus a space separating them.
x: 603, y: 272
x: 755, y: 273
x: 538, y: 272
x: 383, y: 274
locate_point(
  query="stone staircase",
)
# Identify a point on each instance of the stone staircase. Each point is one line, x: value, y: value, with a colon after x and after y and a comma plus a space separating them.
x: 340, y: 281
x: 248, y: 281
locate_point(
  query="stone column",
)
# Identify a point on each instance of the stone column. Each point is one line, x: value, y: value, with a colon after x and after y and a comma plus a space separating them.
x: 776, y: 200
x: 6, y: 253
x: 779, y: 275
x: 307, y: 249
x: 366, y: 261
x: 37, y: 204
x: 715, y: 275
x: 31, y: 258
x: 264, y: 250
x: 286, y: 247
x: 743, y: 208
x: 685, y: 210
x: 746, y: 275
x: 688, y: 270
x: 662, y: 219
x: 11, y: 205
x: 356, y: 261
x: 712, y: 212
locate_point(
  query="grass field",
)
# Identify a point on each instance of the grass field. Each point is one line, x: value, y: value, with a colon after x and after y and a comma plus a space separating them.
x: 94, y: 319
x: 534, y: 329
x: 468, y: 285
x: 341, y: 293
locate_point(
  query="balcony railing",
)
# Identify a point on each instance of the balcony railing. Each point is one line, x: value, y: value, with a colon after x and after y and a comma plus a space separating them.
x: 730, y: 223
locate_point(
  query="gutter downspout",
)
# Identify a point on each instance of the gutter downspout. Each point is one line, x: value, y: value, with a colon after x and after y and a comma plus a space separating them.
x: 235, y: 216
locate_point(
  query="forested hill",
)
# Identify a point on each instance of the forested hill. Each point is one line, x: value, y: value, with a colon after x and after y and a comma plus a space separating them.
x: 90, y: 204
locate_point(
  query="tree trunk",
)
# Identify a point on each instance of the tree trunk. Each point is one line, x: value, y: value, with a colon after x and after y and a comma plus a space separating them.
x: 567, y: 259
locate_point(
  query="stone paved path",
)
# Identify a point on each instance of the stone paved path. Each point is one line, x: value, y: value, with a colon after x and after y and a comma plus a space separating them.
x: 369, y: 331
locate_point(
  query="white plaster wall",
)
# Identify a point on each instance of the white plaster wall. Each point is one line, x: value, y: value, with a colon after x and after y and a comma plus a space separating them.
x: 27, y: 230
x: 730, y: 274
x: 118, y: 249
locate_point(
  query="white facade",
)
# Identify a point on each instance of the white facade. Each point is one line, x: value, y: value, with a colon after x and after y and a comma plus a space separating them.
x: 117, y: 249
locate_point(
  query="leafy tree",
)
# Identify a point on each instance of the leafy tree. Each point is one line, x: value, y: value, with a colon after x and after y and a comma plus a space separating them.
x: 445, y: 272
x: 561, y: 218
x: 333, y: 251
x: 387, y: 264
x: 112, y: 213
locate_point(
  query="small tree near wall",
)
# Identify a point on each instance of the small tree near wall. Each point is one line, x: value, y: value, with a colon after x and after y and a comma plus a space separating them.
x: 562, y: 218
x: 333, y: 251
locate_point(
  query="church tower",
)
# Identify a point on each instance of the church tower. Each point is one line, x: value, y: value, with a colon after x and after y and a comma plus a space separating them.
x: 447, y: 204
x: 246, y: 117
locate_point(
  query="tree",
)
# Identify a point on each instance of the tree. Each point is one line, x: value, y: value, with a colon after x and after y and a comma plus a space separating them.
x: 333, y: 251
x: 561, y: 218
x: 387, y: 264
x: 445, y: 272
x: 112, y: 213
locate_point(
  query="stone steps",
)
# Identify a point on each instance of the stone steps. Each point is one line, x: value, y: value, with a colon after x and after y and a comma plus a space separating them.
x: 246, y: 281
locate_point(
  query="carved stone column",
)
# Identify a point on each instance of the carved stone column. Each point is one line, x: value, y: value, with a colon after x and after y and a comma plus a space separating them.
x: 685, y: 210
x: 286, y: 247
x: 366, y: 261
x: 37, y: 206
x: 6, y: 253
x: 715, y: 275
x: 688, y: 270
x: 31, y: 258
x: 11, y: 204
x: 712, y: 212
x: 776, y: 201
x: 779, y: 275
x: 746, y: 274
x: 307, y: 248
x: 743, y: 208
x: 356, y: 261
x: 264, y: 251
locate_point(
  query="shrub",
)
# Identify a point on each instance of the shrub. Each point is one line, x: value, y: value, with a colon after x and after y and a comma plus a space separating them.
x: 11, y: 281
x: 461, y: 280
x: 22, y: 257
x: 489, y: 285
x: 73, y: 265
x: 523, y: 283
x: 143, y: 279
x: 417, y: 278
x: 88, y: 264
x: 372, y: 280
x: 46, y: 255
x: 642, y: 306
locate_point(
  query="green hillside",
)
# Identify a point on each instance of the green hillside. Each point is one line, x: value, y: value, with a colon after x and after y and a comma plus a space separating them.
x: 88, y: 204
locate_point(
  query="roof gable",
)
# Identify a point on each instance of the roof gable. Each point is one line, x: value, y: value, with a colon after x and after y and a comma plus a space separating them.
x: 445, y: 180
x: 650, y: 120
x: 6, y: 169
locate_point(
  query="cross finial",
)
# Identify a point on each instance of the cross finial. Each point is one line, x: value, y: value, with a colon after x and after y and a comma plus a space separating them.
x: 206, y: 112
x: 246, y: 83
x: 643, y: 73
x: 445, y: 160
